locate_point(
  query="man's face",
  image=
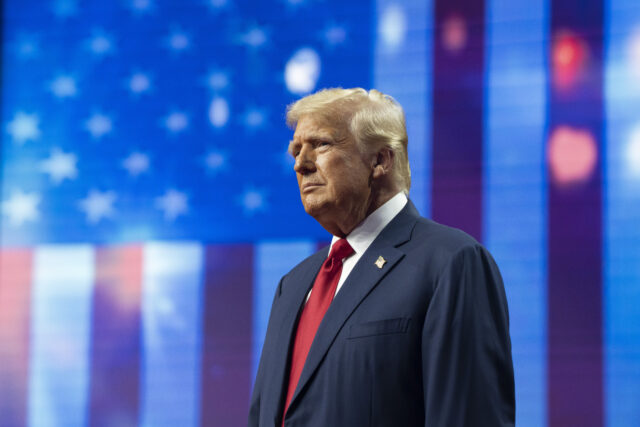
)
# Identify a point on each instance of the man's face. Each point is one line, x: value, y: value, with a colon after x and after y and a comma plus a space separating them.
x: 334, y: 176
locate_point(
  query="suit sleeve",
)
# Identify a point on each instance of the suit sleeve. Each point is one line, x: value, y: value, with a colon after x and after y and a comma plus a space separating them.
x: 466, y: 349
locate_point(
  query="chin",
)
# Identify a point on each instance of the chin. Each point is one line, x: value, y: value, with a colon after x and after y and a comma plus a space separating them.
x: 312, y: 210
x: 315, y: 208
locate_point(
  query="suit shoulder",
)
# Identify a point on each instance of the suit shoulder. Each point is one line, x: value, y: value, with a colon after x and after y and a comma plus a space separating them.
x: 439, y: 242
x: 442, y: 250
x: 446, y: 237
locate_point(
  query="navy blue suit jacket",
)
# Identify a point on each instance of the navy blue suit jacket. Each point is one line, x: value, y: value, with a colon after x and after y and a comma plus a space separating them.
x: 422, y: 341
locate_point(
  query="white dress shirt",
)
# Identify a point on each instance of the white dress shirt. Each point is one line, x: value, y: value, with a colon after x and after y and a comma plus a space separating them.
x: 364, y: 234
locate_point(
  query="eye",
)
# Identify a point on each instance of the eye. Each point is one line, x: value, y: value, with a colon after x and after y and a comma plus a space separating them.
x: 294, y: 150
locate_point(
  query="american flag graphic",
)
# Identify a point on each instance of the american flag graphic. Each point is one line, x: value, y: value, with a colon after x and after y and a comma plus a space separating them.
x: 149, y: 207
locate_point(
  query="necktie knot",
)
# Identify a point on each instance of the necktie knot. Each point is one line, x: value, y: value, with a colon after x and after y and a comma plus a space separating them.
x: 340, y: 250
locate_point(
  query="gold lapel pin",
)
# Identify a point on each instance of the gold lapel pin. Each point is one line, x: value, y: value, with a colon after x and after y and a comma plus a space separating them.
x: 380, y: 262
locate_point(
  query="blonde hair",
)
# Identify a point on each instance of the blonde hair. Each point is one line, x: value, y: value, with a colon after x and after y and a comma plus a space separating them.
x: 374, y: 119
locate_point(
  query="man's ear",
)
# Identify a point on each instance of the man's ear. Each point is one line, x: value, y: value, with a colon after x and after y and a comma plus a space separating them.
x: 383, y: 162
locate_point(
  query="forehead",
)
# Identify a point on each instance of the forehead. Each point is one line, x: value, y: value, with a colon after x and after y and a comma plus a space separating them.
x: 310, y: 127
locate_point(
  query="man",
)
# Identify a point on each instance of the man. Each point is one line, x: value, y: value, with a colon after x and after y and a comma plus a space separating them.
x: 402, y: 321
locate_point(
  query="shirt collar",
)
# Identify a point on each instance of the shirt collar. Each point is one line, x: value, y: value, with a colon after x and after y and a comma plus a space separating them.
x: 366, y: 232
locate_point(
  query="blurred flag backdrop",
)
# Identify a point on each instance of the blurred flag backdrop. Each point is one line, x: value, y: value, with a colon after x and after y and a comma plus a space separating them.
x: 149, y: 207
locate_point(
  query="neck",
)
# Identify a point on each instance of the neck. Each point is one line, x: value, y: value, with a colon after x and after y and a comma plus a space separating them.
x: 343, y: 226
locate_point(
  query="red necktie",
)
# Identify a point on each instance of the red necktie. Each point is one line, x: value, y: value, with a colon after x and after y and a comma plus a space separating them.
x: 324, y: 288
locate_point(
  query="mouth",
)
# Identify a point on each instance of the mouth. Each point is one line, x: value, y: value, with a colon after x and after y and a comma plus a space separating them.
x: 310, y: 186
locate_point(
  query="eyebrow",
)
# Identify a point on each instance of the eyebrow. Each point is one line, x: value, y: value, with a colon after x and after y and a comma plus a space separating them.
x: 312, y: 139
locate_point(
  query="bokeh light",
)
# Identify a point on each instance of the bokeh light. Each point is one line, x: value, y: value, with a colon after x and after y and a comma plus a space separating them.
x: 633, y: 153
x: 218, y: 112
x: 633, y: 53
x: 454, y: 34
x: 302, y: 71
x: 393, y: 26
x: 569, y: 58
x: 572, y: 155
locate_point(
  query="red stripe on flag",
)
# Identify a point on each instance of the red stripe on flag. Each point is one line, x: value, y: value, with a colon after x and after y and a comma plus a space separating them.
x: 458, y: 106
x: 115, y: 345
x: 15, y: 294
x: 575, y: 318
x: 226, y: 359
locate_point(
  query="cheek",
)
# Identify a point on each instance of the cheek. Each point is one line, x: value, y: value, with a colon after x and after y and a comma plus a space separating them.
x: 334, y: 167
x: 342, y: 174
x: 351, y: 184
x: 356, y: 173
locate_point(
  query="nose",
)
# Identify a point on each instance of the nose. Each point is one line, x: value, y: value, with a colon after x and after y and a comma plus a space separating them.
x: 305, y: 161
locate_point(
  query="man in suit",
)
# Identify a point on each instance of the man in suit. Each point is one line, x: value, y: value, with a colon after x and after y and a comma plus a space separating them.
x: 401, y: 321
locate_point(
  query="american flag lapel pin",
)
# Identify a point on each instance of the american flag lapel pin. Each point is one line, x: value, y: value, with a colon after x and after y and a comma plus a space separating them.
x: 380, y: 262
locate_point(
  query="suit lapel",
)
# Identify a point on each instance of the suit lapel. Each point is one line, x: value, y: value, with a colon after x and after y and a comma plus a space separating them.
x: 300, y: 281
x: 362, y: 279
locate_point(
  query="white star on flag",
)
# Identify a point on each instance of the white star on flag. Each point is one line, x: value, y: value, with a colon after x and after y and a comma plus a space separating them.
x: 136, y: 163
x: 98, y: 205
x: 21, y: 207
x: 178, y: 41
x: 141, y: 5
x: 98, y: 125
x: 59, y: 166
x: 27, y: 48
x: 23, y: 127
x: 335, y: 35
x: 295, y: 2
x: 139, y: 83
x: 255, y: 37
x: 173, y: 203
x: 100, y: 44
x: 254, y: 118
x: 218, y: 80
x: 217, y: 4
x: 65, y: 8
x: 176, y: 122
x: 215, y: 161
x: 253, y: 200
x: 63, y: 87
